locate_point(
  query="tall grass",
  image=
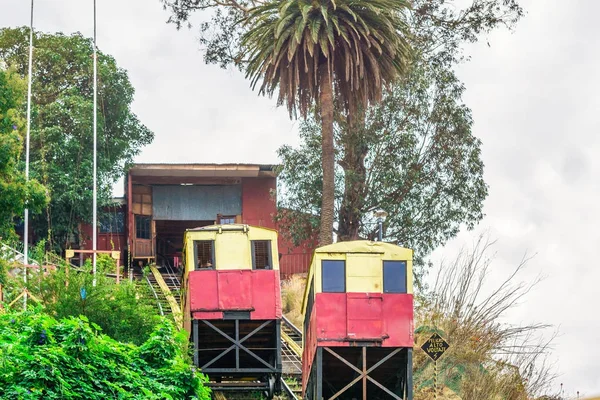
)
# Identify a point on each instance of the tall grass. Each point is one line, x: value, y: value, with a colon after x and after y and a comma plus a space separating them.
x: 292, y: 294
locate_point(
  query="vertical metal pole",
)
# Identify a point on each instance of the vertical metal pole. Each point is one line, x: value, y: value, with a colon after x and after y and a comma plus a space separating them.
x: 409, y: 374
x: 26, y: 222
x: 435, y: 391
x: 278, y: 364
x: 364, y: 371
x: 94, y: 226
x: 319, y: 394
x: 380, y: 220
x: 237, y: 341
x: 195, y: 329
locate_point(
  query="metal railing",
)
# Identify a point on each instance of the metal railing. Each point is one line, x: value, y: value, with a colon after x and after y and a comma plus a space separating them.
x: 155, y: 296
x: 171, y: 271
x: 176, y: 310
x: 290, y: 325
x: 288, y: 391
x: 13, y: 255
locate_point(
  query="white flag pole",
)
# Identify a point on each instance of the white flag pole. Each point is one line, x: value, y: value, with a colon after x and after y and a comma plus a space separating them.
x: 26, y: 222
x: 95, y: 205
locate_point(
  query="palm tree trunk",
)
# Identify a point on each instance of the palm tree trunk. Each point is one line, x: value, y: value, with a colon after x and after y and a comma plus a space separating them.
x: 328, y: 156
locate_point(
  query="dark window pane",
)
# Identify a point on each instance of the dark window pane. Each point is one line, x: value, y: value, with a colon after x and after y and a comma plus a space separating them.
x: 309, y: 305
x: 205, y: 255
x: 333, y: 276
x: 394, y: 276
x: 226, y: 220
x: 261, y: 254
x: 142, y: 227
x: 112, y: 222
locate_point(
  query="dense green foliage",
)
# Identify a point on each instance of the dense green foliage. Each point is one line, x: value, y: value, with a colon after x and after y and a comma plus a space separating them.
x: 62, y: 134
x: 43, y: 358
x: 15, y: 191
x: 125, y: 312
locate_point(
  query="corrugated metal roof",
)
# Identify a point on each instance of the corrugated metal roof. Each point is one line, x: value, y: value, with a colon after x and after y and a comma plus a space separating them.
x: 203, y: 170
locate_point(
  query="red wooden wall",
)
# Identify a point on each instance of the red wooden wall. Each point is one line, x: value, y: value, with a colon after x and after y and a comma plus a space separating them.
x: 259, y: 208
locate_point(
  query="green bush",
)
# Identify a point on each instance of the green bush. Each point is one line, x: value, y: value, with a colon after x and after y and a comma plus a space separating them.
x: 126, y: 312
x: 43, y: 358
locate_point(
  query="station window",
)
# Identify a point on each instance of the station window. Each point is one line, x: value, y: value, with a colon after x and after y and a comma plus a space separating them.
x: 394, y: 277
x: 226, y: 219
x: 142, y: 226
x: 205, y: 254
x: 333, y: 276
x: 261, y: 254
x: 112, y: 222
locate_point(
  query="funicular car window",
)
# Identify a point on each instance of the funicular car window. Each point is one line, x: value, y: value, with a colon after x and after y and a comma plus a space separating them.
x: 261, y: 254
x: 394, y: 276
x: 333, y: 276
x: 309, y: 305
x: 205, y: 254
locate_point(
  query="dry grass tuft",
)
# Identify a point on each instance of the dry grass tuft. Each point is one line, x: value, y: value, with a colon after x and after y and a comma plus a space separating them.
x: 487, y: 359
x: 292, y: 294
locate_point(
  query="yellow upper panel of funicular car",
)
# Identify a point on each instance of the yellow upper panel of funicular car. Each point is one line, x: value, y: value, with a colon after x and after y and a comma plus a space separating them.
x: 232, y: 245
x: 364, y: 264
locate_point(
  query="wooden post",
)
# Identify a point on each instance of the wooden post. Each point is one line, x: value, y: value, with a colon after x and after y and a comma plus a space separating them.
x: 116, y: 255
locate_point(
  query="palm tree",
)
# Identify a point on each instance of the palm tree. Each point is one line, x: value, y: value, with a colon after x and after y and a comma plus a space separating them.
x: 313, y: 51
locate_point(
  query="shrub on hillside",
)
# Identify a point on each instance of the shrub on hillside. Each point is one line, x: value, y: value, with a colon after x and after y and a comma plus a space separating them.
x: 125, y: 312
x: 43, y: 358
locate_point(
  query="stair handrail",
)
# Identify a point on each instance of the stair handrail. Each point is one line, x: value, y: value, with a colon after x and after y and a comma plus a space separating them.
x: 293, y: 327
x: 176, y: 310
x: 16, y: 253
x: 171, y: 272
x: 291, y: 343
x: 288, y: 390
x: 155, y: 296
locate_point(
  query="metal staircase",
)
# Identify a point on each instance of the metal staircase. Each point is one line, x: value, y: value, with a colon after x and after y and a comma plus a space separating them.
x: 166, y: 294
x: 291, y: 357
x: 13, y: 255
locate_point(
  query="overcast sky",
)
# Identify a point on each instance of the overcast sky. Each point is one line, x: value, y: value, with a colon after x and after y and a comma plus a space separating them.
x: 534, y: 96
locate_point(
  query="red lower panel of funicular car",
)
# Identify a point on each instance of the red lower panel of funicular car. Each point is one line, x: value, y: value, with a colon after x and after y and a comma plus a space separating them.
x: 348, y: 319
x: 211, y: 293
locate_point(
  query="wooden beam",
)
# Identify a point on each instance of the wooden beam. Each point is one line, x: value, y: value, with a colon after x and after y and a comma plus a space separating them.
x: 177, y: 180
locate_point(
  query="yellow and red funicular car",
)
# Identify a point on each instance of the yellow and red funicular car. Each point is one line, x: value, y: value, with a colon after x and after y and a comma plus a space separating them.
x: 358, y: 322
x: 232, y: 305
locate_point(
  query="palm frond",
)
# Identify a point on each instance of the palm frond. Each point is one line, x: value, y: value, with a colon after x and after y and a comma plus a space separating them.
x: 364, y: 43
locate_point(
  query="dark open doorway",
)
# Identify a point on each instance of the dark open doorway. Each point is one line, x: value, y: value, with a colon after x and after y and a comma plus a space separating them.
x: 169, y: 241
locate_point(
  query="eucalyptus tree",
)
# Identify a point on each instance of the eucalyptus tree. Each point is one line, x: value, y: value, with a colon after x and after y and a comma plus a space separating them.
x: 61, y: 137
x: 321, y: 51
